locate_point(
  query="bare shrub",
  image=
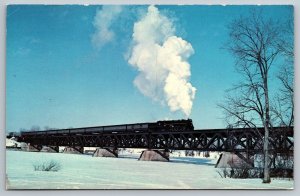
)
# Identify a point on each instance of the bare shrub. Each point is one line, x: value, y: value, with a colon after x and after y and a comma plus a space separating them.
x: 224, y: 173
x: 282, y: 166
x: 47, y: 166
x: 241, y: 173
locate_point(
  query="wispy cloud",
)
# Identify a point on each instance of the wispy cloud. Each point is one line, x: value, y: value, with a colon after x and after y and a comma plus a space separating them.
x: 103, y: 21
x: 21, y: 51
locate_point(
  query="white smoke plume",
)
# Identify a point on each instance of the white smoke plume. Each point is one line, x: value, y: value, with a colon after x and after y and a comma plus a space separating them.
x: 102, y: 22
x: 161, y: 59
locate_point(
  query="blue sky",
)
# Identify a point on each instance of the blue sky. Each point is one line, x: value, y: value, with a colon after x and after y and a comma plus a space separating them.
x: 57, y: 77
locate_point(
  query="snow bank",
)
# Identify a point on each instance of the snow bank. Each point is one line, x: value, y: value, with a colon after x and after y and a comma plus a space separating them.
x: 87, y: 172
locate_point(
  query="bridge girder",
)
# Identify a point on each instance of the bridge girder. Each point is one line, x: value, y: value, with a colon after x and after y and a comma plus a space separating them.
x: 234, y: 140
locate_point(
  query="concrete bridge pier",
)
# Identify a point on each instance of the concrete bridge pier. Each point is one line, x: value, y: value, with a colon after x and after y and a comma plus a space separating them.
x: 106, y: 152
x: 73, y: 150
x: 234, y: 160
x: 53, y: 149
x: 154, y: 155
x: 32, y: 148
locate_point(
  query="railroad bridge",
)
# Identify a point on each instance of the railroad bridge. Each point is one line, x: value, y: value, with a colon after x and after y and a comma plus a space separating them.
x: 164, y: 135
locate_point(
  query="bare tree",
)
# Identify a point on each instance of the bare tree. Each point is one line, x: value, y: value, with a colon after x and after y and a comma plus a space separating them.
x: 254, y: 44
x: 286, y: 43
x: 283, y: 107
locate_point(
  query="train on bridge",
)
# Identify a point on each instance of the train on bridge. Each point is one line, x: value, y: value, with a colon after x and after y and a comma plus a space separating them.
x: 164, y: 135
x: 164, y: 125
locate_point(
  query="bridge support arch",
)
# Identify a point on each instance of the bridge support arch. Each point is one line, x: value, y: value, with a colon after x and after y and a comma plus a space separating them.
x: 154, y: 155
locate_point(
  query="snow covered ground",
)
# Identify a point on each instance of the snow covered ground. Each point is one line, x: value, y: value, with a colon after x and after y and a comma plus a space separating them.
x: 125, y: 172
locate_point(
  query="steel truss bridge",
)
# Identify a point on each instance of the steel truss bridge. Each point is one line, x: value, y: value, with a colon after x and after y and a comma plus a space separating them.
x: 173, y: 135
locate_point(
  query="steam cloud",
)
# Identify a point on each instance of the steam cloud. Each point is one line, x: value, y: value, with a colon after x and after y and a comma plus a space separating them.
x: 102, y: 22
x: 161, y: 59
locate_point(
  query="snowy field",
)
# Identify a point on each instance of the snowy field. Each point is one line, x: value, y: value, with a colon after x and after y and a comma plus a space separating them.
x: 125, y: 172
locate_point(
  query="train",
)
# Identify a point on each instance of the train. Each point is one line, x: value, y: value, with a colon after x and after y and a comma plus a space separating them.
x: 163, y: 125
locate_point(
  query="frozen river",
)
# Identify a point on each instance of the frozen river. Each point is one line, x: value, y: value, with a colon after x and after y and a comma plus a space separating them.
x: 87, y: 172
